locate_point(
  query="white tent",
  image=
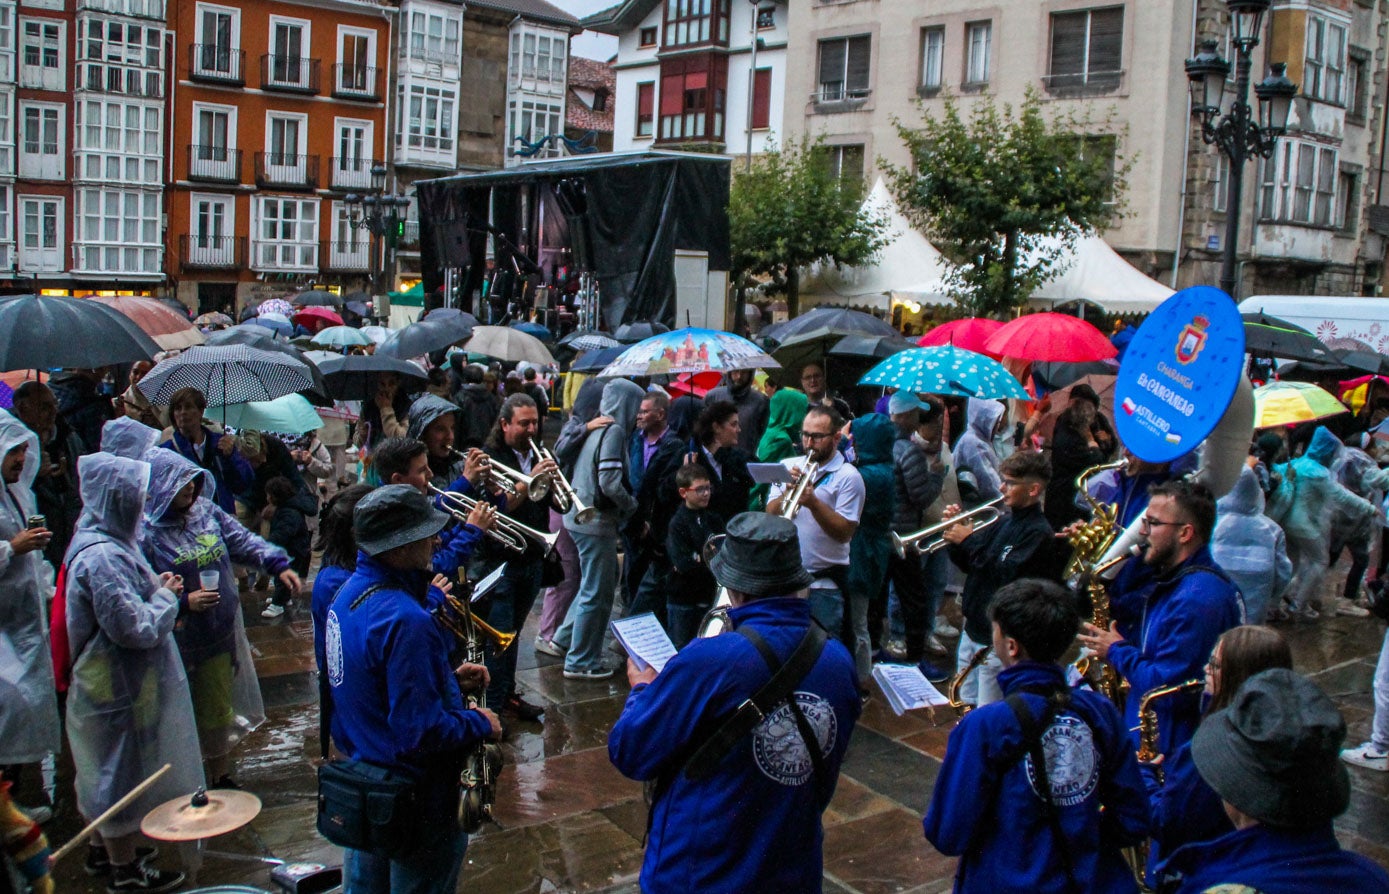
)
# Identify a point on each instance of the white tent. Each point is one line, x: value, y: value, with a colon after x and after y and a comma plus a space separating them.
x: 1098, y: 275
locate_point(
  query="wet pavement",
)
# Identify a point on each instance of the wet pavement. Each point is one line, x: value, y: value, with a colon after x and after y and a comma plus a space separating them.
x: 567, y: 821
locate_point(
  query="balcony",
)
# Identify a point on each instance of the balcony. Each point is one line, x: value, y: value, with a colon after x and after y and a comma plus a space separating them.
x: 212, y: 252
x: 289, y: 74
x: 277, y: 169
x: 409, y: 235
x: 139, y: 9
x: 214, y: 164
x: 216, y: 64
x: 353, y: 257
x: 105, y: 259
x: 356, y: 82
x: 352, y: 173
x: 284, y: 257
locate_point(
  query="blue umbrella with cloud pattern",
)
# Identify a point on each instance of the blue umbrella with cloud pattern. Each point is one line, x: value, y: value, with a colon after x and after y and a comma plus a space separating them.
x: 946, y: 369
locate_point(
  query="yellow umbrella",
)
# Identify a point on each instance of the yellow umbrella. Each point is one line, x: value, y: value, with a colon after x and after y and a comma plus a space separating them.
x: 1283, y: 403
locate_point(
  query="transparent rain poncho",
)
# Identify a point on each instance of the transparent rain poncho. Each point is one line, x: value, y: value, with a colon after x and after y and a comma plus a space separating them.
x: 128, y: 710
x: 1250, y: 547
x: 974, y: 452
x: 125, y: 437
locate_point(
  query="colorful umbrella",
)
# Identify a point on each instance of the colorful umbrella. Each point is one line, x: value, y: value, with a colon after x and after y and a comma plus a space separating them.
x: 1050, y: 336
x: 696, y: 384
x: 505, y: 343
x: 946, y: 370
x: 11, y: 380
x: 290, y: 415
x: 170, y: 330
x: 275, y: 306
x: 971, y: 333
x: 341, y: 337
x: 689, y: 350
x: 45, y: 332
x: 1283, y: 403
x: 316, y: 318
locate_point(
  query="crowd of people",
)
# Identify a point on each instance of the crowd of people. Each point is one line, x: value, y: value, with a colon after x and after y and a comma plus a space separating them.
x: 649, y: 501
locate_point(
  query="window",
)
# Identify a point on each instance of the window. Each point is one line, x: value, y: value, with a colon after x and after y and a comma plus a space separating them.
x: 120, y: 57
x: 40, y: 234
x: 212, y: 240
x: 1324, y: 71
x: 1220, y: 183
x: 6, y: 45
x: 978, y: 36
x: 41, y: 141
x: 538, y: 57
x: 932, y: 58
x: 1357, y: 84
x: 285, y: 234
x: 844, y: 68
x: 285, y: 135
x: 213, y: 155
x: 646, y: 106
x: 7, y: 136
x: 433, y: 37
x: 350, y: 248
x: 1086, y: 50
x: 430, y: 120
x: 352, y: 159
x: 693, y: 90
x: 766, y: 17
x: 117, y: 231
x: 1348, y: 201
x: 690, y: 22
x: 647, y: 37
x: 762, y: 99
x: 219, y: 35
x: 41, y: 46
x: 6, y: 232
x: 119, y: 142
x: 356, y: 70
x: 1299, y: 184
x: 289, y: 43
x: 845, y: 164
x: 530, y: 120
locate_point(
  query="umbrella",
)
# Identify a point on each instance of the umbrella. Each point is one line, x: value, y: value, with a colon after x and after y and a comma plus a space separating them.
x: 290, y: 415
x: 588, y: 340
x: 597, y: 361
x: 274, y: 323
x: 452, y: 313
x: 356, y: 307
x: 43, y: 332
x: 1055, y: 376
x: 505, y: 343
x: 352, y: 376
x: 228, y: 374
x: 870, y: 346
x: 315, y: 318
x: 378, y: 334
x: 275, y: 306
x: 1271, y: 337
x: 696, y: 384
x: 970, y: 333
x: 1050, y: 336
x: 946, y: 370
x: 631, y: 333
x: 425, y: 337
x: 1283, y: 403
x: 213, y: 321
x: 261, y: 339
x: 1103, y: 385
x: 170, y: 329
x: 341, y: 337
x: 837, y: 320
x: 317, y: 298
x: 1366, y: 361
x: 689, y: 350
x: 535, y: 329
x: 11, y: 380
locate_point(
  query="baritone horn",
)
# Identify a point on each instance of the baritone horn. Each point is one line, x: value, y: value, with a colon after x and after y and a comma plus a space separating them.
x: 983, y: 515
x: 716, y: 619
x: 505, y: 530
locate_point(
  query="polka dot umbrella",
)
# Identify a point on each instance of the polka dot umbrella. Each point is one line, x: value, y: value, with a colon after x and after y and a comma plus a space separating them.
x: 945, y: 369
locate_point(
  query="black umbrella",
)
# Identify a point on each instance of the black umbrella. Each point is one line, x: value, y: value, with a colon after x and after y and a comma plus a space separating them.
x: 353, y: 376
x: 1271, y: 337
x: 1055, y: 375
x: 631, y: 333
x: 227, y: 374
x: 874, y: 347
x: 451, y: 313
x: 597, y: 361
x: 832, y: 320
x: 42, y: 332
x: 426, y: 336
x: 1365, y: 361
x: 263, y: 339
x: 316, y: 298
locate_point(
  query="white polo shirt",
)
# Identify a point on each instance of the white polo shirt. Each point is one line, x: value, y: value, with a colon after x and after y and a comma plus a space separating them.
x: 841, y: 487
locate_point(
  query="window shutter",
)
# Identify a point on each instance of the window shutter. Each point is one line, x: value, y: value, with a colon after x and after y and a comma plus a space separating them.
x: 672, y: 94
x: 761, y: 98
x: 646, y: 98
x: 860, y: 51
x: 1067, y: 43
x: 832, y: 61
x: 1106, y: 40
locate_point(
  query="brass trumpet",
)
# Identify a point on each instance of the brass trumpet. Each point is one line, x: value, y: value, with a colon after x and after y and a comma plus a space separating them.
x: 505, y: 530
x: 791, y: 499
x: 565, y: 497
x: 537, y: 486
x: 716, y: 619
x: 989, y: 512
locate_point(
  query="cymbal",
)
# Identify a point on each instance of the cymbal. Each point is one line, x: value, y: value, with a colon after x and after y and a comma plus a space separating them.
x: 204, y: 814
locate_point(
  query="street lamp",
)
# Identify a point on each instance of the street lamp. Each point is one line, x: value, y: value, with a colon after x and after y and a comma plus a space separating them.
x: 1238, y: 134
x: 380, y: 215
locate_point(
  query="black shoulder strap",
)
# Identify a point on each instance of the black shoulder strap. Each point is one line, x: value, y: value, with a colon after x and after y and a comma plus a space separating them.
x: 325, y: 692
x: 1033, y: 728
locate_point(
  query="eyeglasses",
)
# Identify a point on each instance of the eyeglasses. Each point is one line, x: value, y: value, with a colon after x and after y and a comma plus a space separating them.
x: 816, y: 436
x: 705, y: 489
x: 1148, y: 521
x: 1213, y: 664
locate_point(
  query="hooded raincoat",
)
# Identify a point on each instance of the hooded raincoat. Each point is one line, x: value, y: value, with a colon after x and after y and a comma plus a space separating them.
x: 128, y: 709
x: 1250, y: 547
x: 782, y: 438
x: 427, y: 409
x: 974, y: 452
x: 126, y: 437
x: 29, y: 727
x: 212, y: 642
x: 874, y: 435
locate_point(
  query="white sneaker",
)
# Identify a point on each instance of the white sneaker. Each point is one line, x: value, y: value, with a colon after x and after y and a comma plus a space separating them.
x: 272, y: 611
x: 1367, y: 756
x: 548, y: 647
x: 946, y: 629
x: 934, y: 644
x: 1347, y: 608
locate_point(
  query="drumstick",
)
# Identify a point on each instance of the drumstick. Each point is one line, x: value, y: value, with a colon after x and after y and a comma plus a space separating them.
x: 108, y: 813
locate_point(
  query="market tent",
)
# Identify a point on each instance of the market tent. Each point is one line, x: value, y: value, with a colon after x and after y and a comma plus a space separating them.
x: 407, y: 306
x: 1098, y: 275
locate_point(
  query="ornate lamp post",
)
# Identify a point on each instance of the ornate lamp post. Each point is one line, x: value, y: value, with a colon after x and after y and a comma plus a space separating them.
x: 380, y: 215
x: 1237, y: 133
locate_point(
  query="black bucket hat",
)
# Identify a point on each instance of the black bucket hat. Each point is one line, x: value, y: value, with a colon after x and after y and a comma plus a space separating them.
x: 393, y: 516
x: 760, y: 555
x: 1274, y: 752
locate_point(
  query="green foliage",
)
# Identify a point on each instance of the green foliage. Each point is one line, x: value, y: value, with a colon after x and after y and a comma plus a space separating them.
x: 1006, y: 194
x: 791, y: 210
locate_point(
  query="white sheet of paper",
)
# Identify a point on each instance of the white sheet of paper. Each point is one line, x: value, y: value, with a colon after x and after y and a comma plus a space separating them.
x: 769, y: 473
x: 645, y: 640
x: 906, y: 688
x: 481, y: 587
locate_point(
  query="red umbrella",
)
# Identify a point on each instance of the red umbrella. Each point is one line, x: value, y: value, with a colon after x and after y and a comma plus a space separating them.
x: 169, y: 329
x: 970, y: 333
x: 1051, y: 337
x: 697, y: 384
x: 316, y: 317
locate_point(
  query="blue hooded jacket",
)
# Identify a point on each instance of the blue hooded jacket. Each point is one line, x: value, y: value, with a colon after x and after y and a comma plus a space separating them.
x: 763, y: 796
x: 1273, y: 861
x: 231, y: 475
x: 326, y: 585
x: 874, y: 435
x: 1185, y: 809
x: 985, y: 809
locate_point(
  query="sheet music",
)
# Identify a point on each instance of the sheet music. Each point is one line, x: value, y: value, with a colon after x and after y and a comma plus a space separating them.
x: 481, y: 588
x: 769, y: 473
x: 906, y: 688
x: 645, y: 640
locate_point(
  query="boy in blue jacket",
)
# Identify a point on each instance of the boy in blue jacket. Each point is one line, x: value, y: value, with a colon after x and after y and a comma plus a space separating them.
x: 1023, y: 824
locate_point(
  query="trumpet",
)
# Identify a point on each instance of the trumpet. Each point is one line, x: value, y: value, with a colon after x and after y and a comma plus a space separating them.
x: 988, y: 513
x: 716, y: 619
x: 537, y: 486
x: 791, y: 499
x: 565, y: 497
x: 506, y: 531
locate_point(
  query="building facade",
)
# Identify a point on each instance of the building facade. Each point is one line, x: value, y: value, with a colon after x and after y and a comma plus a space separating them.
x: 588, y: 108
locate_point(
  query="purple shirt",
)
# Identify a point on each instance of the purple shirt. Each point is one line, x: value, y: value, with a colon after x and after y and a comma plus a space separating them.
x: 648, y: 447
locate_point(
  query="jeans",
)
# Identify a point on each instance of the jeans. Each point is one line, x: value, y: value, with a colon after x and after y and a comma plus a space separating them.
x: 1379, y: 729
x: 512, y: 599
x: 431, y: 870
x: 558, y: 598
x: 581, y: 635
x: 856, y: 631
x: 981, y: 686
x: 682, y: 622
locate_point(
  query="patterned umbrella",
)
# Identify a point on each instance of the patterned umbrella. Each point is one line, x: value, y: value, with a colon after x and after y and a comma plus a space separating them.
x: 588, y: 340
x: 44, y: 332
x: 227, y: 374
x: 170, y: 330
x: 275, y: 306
x: 213, y: 320
x: 1283, y: 403
x: 946, y: 370
x: 1050, y: 336
x: 341, y: 337
x: 970, y: 333
x: 690, y: 350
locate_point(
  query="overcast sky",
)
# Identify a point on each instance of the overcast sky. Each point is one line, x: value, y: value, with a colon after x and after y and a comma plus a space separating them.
x: 590, y: 44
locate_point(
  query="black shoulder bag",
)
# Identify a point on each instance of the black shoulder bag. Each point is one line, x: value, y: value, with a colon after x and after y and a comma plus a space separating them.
x: 1033, y: 728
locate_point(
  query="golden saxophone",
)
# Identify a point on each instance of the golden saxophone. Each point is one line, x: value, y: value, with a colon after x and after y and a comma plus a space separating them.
x: 1090, y: 541
x: 952, y: 692
x: 1147, y: 717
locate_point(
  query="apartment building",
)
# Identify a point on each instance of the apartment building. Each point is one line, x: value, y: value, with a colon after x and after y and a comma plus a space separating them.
x: 855, y: 65
x: 706, y: 75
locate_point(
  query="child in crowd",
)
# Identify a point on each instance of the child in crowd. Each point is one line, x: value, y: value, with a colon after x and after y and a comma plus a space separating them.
x: 289, y: 530
x: 690, y: 593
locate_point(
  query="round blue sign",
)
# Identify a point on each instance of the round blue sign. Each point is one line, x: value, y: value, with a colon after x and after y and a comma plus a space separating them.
x: 1179, y: 374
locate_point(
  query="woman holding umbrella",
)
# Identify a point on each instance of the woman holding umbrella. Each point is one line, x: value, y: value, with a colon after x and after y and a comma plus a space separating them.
x: 386, y: 415
x: 214, y: 451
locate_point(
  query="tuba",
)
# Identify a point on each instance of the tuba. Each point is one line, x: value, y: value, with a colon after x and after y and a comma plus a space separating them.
x: 716, y: 619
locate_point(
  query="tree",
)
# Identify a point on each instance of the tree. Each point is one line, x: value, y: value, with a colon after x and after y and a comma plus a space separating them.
x: 1006, y: 195
x: 791, y: 210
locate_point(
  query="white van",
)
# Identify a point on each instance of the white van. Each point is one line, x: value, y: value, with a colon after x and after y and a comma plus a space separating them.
x: 1329, y: 317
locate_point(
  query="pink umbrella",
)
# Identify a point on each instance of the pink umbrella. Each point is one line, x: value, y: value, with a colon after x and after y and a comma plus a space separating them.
x: 970, y: 333
x: 316, y: 317
x: 1051, y: 337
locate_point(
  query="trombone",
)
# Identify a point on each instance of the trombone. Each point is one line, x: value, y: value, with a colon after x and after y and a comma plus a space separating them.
x: 988, y: 513
x: 537, y: 486
x: 791, y: 499
x: 505, y: 530
x: 565, y: 497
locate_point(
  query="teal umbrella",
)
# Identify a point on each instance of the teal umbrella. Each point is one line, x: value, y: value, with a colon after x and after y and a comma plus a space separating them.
x: 945, y: 369
x: 290, y: 415
x: 341, y: 337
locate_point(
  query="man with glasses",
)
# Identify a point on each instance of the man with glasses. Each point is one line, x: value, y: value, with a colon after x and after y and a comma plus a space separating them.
x: 1168, y: 610
x: 815, y: 385
x: 828, y: 515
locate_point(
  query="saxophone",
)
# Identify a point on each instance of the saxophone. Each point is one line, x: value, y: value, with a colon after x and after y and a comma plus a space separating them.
x: 1089, y: 542
x: 477, y: 780
x: 952, y: 692
x: 1147, y: 718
